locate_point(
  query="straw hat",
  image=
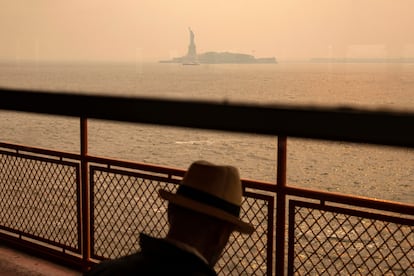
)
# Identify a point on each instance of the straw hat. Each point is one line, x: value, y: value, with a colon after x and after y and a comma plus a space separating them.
x: 213, y: 190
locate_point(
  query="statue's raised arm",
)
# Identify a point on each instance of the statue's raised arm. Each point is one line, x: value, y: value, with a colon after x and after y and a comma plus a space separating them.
x: 191, y: 36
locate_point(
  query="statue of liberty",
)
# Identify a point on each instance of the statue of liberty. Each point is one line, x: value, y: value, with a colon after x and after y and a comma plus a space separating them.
x: 191, y: 57
x: 191, y: 36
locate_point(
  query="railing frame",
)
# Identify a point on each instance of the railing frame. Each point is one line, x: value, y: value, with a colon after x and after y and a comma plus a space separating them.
x: 281, y: 204
x: 395, y: 133
x: 86, y: 239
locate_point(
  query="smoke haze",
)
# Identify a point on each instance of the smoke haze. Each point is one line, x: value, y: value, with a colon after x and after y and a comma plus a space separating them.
x: 150, y: 30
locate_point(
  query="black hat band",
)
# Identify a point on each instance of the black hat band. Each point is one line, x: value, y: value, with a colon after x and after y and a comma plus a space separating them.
x: 209, y: 199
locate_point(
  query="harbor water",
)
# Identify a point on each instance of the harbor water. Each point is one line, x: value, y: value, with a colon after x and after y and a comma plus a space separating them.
x: 374, y: 171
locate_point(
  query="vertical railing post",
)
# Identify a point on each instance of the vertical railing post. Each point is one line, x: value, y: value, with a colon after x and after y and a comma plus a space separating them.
x: 86, y: 240
x: 281, y: 205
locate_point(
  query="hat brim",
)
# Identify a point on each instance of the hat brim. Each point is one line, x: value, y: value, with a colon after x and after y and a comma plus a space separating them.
x: 240, y: 226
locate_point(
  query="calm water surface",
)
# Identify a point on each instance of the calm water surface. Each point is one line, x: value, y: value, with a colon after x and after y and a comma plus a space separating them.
x: 381, y: 172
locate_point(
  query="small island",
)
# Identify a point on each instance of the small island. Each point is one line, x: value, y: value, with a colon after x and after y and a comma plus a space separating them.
x: 192, y: 58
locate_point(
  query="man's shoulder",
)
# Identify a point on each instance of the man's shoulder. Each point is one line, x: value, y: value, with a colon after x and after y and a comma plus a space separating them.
x: 126, y: 265
x: 156, y: 256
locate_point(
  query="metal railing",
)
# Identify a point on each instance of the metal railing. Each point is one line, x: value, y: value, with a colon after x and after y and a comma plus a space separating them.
x: 299, y: 231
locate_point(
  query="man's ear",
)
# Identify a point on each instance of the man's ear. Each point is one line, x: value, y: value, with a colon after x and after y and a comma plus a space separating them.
x: 223, y: 233
x: 170, y: 213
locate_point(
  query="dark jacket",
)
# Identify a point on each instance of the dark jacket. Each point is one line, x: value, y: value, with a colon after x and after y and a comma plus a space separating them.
x: 157, y: 257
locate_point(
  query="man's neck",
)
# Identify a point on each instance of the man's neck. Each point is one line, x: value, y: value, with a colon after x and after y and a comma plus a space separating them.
x: 186, y: 247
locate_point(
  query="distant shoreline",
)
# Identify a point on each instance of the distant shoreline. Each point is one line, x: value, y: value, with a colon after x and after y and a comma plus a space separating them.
x: 362, y: 60
x: 223, y: 58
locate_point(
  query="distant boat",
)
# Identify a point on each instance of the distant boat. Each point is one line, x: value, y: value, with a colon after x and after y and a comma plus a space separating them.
x: 190, y: 63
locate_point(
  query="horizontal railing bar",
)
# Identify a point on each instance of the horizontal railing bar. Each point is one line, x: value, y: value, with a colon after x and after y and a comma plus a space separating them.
x: 52, y: 254
x: 95, y: 159
x: 383, y: 127
x: 352, y: 212
x: 259, y: 185
x: 42, y: 151
x: 354, y: 200
x: 43, y: 158
x: 131, y: 173
x: 24, y: 235
x: 136, y: 165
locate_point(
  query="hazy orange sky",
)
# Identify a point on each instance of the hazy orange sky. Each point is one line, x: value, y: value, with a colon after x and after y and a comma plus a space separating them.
x: 134, y: 30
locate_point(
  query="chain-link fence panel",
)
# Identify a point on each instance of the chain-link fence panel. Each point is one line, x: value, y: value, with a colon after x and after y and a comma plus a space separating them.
x: 39, y: 199
x: 125, y: 204
x: 251, y: 255
x: 327, y: 240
